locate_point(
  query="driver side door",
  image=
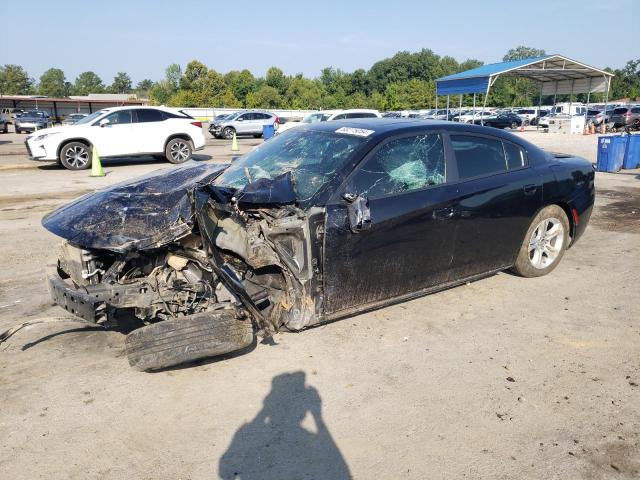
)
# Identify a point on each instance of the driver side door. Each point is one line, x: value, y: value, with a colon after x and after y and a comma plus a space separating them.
x: 112, y: 135
x: 408, y: 244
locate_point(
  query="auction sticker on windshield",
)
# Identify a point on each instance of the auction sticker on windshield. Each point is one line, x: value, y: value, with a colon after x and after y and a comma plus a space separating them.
x: 359, y: 132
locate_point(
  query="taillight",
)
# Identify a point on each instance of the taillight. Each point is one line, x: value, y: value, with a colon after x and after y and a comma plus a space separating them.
x: 197, y: 124
x: 277, y: 120
x: 576, y: 219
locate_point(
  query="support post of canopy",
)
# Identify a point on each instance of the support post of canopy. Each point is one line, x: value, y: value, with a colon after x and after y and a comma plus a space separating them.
x: 460, y: 108
x: 484, y: 105
x: 474, y: 104
x: 586, y: 114
x: 606, y: 98
x: 571, y: 97
x: 539, y: 105
x: 447, y: 107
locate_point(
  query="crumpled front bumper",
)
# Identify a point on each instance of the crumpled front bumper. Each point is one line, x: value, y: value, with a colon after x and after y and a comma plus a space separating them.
x: 76, y: 301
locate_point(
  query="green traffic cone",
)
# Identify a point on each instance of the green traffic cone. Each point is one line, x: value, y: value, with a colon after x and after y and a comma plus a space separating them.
x: 96, y: 165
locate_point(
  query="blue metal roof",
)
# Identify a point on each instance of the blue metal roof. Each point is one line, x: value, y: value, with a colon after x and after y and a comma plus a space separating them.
x: 476, y: 80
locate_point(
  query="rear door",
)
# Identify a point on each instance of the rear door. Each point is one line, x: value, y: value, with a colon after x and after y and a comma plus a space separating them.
x: 499, y: 193
x: 409, y: 244
x: 151, y: 130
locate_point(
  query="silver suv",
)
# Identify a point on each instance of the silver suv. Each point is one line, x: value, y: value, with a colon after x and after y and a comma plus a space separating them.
x: 243, y: 123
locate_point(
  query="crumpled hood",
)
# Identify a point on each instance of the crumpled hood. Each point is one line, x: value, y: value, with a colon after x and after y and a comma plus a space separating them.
x: 145, y: 213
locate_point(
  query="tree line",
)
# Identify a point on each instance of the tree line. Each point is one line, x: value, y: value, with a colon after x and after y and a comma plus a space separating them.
x: 404, y: 81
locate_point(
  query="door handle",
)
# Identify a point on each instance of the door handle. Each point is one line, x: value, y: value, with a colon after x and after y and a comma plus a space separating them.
x: 445, y: 213
x: 529, y: 189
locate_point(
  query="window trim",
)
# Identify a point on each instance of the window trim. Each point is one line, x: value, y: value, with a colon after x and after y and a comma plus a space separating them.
x: 447, y: 165
x: 457, y: 179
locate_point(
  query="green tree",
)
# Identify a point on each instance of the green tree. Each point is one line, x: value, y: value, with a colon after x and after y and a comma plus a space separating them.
x: 14, y: 80
x: 53, y: 83
x: 193, y: 75
x: 121, y: 83
x: 143, y: 88
x: 241, y: 83
x: 88, y: 82
x: 264, y: 97
x: 522, y: 52
x: 173, y: 73
x: 276, y: 78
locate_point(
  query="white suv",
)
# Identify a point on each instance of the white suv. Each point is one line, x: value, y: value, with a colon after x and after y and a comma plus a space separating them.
x: 330, y: 115
x: 117, y: 132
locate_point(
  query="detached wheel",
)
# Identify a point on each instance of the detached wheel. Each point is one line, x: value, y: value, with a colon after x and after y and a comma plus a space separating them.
x: 544, y: 244
x: 181, y: 340
x: 228, y: 132
x: 178, y: 150
x: 75, y: 156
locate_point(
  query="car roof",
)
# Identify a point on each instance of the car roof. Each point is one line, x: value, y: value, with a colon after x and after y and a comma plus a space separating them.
x: 384, y: 127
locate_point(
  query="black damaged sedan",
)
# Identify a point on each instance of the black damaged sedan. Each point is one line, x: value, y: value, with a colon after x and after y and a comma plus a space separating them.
x: 319, y: 223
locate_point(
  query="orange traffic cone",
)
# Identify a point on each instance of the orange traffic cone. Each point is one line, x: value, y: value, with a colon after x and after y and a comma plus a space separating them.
x: 593, y: 128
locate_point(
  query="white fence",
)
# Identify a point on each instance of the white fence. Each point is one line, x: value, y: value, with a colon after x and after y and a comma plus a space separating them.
x: 207, y: 114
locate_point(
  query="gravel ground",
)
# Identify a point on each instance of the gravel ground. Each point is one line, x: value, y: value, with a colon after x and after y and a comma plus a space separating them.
x: 504, y: 378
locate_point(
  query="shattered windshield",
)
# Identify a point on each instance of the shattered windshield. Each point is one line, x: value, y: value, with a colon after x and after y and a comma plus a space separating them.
x: 312, y: 159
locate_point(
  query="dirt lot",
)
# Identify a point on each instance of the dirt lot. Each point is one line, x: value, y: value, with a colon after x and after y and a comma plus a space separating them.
x: 505, y: 378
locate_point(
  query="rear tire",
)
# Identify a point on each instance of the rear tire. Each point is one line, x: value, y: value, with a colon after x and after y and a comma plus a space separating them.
x: 75, y: 156
x: 181, y: 340
x: 544, y: 244
x: 178, y: 150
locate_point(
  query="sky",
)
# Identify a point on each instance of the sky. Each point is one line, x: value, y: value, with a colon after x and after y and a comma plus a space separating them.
x: 143, y: 37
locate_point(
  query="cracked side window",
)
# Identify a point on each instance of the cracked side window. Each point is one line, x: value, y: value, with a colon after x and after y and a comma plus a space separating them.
x: 402, y: 165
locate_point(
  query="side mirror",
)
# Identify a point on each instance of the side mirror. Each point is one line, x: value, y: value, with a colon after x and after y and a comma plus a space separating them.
x: 104, y: 122
x: 358, y: 211
x: 239, y: 119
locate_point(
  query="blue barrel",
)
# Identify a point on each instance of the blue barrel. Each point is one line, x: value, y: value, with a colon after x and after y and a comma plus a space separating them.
x: 611, y: 152
x: 632, y: 153
x: 268, y: 131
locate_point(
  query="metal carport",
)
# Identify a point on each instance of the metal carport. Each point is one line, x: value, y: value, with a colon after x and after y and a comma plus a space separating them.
x: 556, y: 74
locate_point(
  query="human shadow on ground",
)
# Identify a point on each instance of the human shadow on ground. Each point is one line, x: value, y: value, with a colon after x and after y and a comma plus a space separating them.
x: 276, y: 446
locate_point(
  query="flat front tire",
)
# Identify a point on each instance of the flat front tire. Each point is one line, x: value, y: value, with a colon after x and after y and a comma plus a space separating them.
x: 544, y: 244
x: 178, y: 150
x: 181, y: 340
x: 75, y: 156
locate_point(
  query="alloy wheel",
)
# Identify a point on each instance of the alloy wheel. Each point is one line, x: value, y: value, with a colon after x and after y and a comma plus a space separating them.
x: 77, y: 156
x: 546, y: 243
x: 180, y: 151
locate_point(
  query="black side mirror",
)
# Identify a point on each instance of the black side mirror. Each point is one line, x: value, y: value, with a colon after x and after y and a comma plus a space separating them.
x: 358, y: 211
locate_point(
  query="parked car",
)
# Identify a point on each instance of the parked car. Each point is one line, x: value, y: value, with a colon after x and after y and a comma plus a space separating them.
x: 5, y: 120
x: 331, y: 115
x: 471, y: 117
x: 623, y: 116
x: 541, y: 113
x: 320, y: 223
x: 502, y: 120
x: 73, y: 118
x: 219, y: 118
x: 527, y: 114
x: 31, y: 120
x: 116, y: 132
x: 243, y: 123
